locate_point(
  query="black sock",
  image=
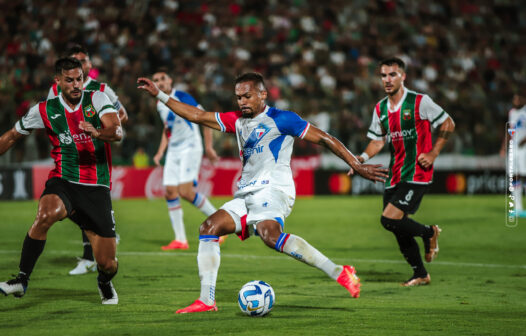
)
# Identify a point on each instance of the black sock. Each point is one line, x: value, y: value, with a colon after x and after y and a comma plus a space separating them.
x: 417, y: 229
x: 88, y: 251
x: 411, y: 253
x: 407, y: 227
x: 105, y: 277
x: 31, y: 250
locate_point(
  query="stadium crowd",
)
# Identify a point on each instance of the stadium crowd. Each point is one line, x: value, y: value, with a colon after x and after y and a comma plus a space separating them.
x: 320, y: 59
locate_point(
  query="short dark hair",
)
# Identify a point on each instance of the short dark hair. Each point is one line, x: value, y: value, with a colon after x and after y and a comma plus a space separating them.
x: 162, y: 69
x: 66, y: 63
x: 75, y: 49
x: 393, y: 60
x: 254, y: 77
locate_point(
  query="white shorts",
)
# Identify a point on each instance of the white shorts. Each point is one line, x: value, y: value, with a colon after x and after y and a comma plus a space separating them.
x: 181, y: 167
x: 249, y: 209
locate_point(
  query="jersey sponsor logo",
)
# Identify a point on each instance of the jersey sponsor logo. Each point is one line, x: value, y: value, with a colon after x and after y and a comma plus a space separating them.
x: 400, y: 135
x: 89, y: 111
x: 251, y: 144
x: 67, y: 138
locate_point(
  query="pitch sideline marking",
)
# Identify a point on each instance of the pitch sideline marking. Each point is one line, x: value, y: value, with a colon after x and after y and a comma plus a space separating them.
x: 243, y: 256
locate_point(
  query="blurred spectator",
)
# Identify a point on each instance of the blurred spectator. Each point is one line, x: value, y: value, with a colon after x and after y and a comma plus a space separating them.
x: 323, y: 51
x: 141, y: 159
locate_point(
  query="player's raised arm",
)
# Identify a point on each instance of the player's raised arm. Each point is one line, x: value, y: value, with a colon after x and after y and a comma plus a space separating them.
x: 188, y: 112
x: 370, y: 172
x: 8, y: 139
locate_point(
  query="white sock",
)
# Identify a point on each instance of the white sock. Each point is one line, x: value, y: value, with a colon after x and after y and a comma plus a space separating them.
x: 299, y: 249
x: 208, y: 261
x: 517, y: 194
x: 176, y: 217
x: 203, y: 204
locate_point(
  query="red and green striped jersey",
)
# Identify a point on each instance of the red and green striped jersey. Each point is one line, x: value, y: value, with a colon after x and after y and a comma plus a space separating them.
x: 78, y: 157
x: 408, y: 131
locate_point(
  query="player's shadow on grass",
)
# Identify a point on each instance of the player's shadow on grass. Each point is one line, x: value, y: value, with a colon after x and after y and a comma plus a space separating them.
x: 375, y: 276
x: 87, y: 295
x: 281, y: 307
x: 68, y: 262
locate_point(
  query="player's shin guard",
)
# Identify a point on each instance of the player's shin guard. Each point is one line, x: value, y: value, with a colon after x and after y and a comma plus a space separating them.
x: 299, y: 249
x: 31, y: 250
x: 203, y: 204
x: 176, y: 218
x: 208, y: 261
x: 88, y: 251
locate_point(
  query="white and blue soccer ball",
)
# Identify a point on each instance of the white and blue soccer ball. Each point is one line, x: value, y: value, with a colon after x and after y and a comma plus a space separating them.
x: 256, y: 298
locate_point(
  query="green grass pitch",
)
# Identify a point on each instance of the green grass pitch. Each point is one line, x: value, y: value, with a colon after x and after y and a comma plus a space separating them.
x: 478, y: 280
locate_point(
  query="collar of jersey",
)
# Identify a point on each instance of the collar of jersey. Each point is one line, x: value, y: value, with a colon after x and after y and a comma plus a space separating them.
x: 397, y: 107
x: 87, y: 82
x: 66, y: 106
x: 262, y: 113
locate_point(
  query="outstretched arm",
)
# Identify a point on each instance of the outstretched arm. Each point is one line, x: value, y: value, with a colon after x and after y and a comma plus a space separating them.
x: 123, y: 115
x: 444, y: 132
x: 188, y: 112
x: 371, y: 172
x: 8, y: 139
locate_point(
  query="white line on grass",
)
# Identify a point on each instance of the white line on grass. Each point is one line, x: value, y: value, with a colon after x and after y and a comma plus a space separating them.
x: 244, y: 256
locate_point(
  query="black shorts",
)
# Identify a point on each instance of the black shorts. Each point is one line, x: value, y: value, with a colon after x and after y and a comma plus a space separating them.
x: 405, y: 196
x: 88, y: 206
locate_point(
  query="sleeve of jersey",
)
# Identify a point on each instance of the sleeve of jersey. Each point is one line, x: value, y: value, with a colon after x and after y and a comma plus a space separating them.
x: 112, y: 96
x: 375, y: 131
x: 429, y: 110
x: 102, y: 104
x: 51, y: 93
x: 32, y: 120
x: 227, y: 121
x: 290, y: 123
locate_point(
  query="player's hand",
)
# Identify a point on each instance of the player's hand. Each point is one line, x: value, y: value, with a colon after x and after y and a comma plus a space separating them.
x: 157, y: 159
x: 148, y: 86
x: 371, y: 172
x: 360, y: 159
x: 89, y: 129
x: 426, y: 159
x: 212, y: 155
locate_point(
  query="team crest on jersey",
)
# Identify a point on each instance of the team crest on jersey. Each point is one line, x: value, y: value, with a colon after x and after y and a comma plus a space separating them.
x: 511, y: 131
x: 89, y: 111
x: 407, y: 114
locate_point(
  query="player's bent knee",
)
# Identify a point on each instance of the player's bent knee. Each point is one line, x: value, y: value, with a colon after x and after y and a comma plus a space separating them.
x: 390, y: 224
x: 208, y: 228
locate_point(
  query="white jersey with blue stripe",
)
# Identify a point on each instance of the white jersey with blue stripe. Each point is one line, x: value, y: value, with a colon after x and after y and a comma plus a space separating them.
x: 517, y: 120
x: 265, y: 147
x: 182, y: 134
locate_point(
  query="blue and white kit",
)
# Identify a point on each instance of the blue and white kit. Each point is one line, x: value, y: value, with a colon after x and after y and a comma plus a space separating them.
x: 185, y: 147
x: 266, y: 189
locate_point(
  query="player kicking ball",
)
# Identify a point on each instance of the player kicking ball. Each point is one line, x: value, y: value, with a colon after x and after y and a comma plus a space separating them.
x: 266, y: 191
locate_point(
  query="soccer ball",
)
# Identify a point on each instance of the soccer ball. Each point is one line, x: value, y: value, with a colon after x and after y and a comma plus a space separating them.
x: 256, y: 298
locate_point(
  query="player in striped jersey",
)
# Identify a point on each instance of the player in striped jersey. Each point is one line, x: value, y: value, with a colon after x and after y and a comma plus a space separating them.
x: 404, y: 119
x: 181, y: 140
x: 87, y: 262
x: 266, y: 191
x: 80, y: 124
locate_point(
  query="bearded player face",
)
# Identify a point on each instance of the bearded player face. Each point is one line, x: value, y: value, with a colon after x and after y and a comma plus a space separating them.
x: 70, y: 81
x: 250, y: 98
x: 392, y: 78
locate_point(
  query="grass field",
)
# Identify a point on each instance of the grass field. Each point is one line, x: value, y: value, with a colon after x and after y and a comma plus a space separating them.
x: 478, y: 280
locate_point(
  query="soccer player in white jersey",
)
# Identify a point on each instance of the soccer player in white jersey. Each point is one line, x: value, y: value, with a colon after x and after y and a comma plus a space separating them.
x: 517, y: 123
x: 266, y: 191
x: 87, y: 262
x: 181, y: 140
